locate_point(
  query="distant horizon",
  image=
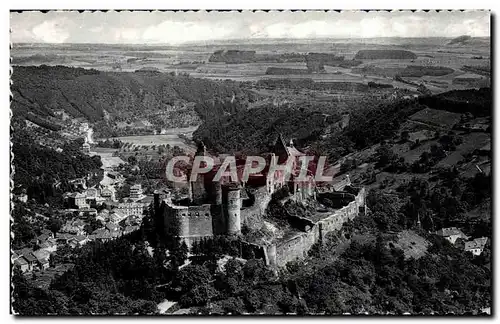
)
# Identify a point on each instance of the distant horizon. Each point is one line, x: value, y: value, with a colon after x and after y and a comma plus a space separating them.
x: 171, y: 28
x: 215, y: 41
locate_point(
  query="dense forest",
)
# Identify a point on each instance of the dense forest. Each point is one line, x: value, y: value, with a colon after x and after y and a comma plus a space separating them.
x: 90, y: 93
x: 252, y: 131
x: 477, y: 102
x: 385, y: 55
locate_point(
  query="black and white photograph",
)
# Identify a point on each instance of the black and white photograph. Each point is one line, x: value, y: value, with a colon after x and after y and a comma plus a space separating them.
x: 248, y: 162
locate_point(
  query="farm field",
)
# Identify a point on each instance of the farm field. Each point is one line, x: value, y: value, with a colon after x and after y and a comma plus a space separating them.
x: 194, y: 60
x: 151, y: 140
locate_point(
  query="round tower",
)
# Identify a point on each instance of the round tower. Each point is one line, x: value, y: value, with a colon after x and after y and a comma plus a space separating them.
x: 231, y: 201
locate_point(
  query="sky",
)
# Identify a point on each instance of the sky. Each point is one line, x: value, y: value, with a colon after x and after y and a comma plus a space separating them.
x: 184, y: 27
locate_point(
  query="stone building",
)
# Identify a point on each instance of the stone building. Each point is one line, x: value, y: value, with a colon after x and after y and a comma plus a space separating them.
x: 136, y: 191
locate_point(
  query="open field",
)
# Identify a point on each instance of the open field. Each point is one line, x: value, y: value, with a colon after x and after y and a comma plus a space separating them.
x: 150, y: 140
x: 170, y: 137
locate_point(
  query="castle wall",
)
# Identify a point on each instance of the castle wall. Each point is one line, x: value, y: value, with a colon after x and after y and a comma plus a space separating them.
x: 252, y: 215
x: 195, y: 222
x: 303, y: 190
x: 200, y: 221
x: 298, y: 246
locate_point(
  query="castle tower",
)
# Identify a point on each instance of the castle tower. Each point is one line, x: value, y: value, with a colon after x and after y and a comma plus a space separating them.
x: 198, y: 193
x: 217, y: 192
x: 231, y: 202
x: 156, y: 200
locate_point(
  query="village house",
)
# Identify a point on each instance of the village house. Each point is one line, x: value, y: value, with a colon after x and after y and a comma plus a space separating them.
x: 74, y: 227
x: 116, y: 216
x: 64, y: 238
x: 108, y: 193
x: 103, y: 216
x: 129, y: 209
x: 476, y: 246
x: 49, y: 246
x: 78, y: 241
x: 101, y: 235
x: 42, y: 258
x: 136, y: 191
x: 76, y: 200
x: 21, y: 263
x: 22, y: 197
x: 451, y: 234
x: 112, y: 227
x: 87, y: 212
x: 26, y: 260
x: 78, y: 183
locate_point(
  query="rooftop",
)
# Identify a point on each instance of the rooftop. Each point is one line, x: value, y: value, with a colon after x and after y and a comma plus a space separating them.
x: 445, y: 232
x: 478, y: 243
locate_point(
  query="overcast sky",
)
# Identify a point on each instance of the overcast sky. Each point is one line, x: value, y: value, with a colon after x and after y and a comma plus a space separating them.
x: 177, y: 28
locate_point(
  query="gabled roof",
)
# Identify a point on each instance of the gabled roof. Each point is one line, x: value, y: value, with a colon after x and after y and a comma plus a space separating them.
x: 46, y: 245
x: 445, y: 232
x: 130, y: 229
x: 478, y: 243
x: 29, y: 257
x: 112, y: 227
x: 25, y: 251
x: 104, y: 235
x: 64, y: 236
x: 46, y: 231
x: 41, y: 255
x: 79, y: 238
x: 99, y: 231
x: 43, y: 237
x: 79, y: 222
x: 20, y: 261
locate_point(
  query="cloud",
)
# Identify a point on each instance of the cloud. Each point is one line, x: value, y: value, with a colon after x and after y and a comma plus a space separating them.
x: 51, y: 31
x: 177, y: 28
x: 175, y: 32
x: 96, y: 29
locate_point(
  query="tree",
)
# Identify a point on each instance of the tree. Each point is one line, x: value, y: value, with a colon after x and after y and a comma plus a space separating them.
x: 132, y: 160
x: 55, y: 225
x: 405, y: 136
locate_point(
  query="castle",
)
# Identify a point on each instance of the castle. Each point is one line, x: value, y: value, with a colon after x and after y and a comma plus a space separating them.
x: 222, y: 207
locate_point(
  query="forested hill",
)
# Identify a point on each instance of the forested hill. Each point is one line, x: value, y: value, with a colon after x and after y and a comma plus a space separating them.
x: 44, y: 172
x: 252, y: 131
x: 88, y: 93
